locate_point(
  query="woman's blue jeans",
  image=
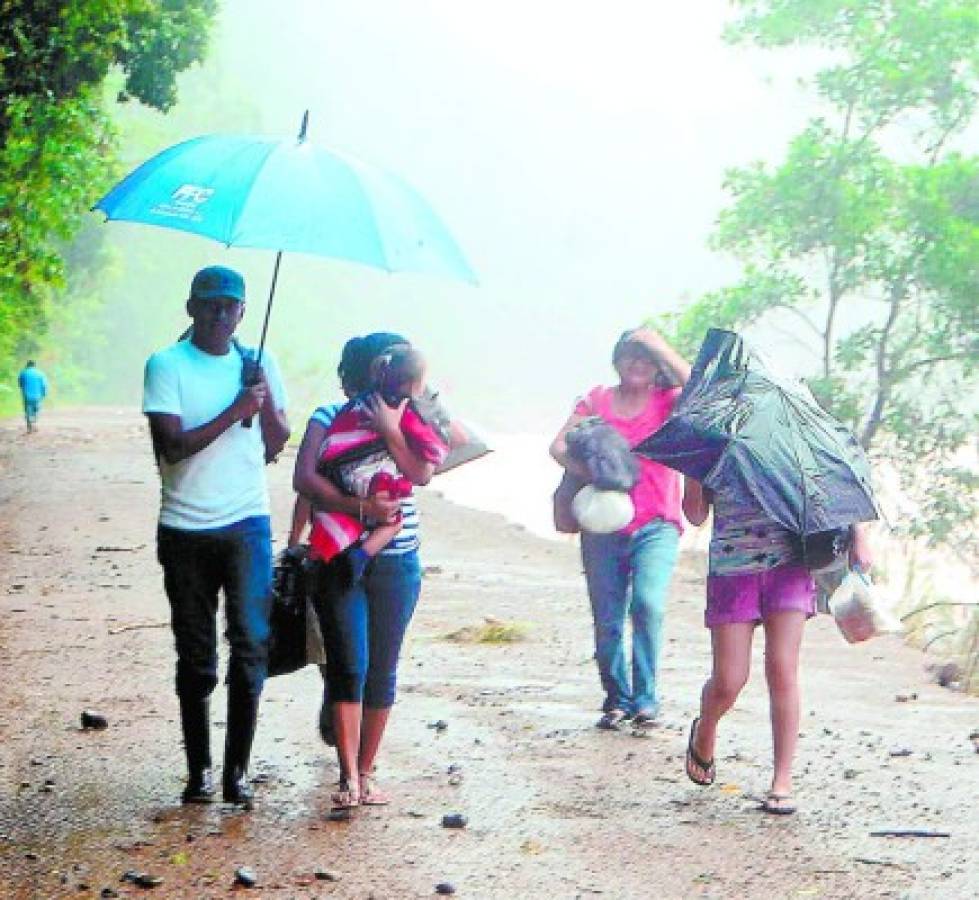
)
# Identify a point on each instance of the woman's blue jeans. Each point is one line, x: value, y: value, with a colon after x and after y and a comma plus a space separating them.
x: 364, y: 626
x: 629, y: 574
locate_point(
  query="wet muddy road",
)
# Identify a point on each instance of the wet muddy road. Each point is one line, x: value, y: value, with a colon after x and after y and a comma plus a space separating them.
x: 555, y: 808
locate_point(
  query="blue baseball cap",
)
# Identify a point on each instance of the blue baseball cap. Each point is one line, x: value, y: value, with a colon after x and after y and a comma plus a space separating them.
x: 217, y: 281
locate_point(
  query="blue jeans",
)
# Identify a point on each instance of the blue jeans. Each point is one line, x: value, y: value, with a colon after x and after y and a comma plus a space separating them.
x: 196, y: 566
x: 31, y: 410
x: 364, y: 626
x: 613, y: 561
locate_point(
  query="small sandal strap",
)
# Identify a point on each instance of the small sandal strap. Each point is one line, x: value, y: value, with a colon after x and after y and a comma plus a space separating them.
x: 706, y: 765
x: 699, y: 761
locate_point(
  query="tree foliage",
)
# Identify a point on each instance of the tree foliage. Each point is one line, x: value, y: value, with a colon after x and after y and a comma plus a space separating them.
x: 867, y: 235
x: 56, y: 139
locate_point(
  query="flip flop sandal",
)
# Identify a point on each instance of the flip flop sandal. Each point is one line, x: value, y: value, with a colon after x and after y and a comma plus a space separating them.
x: 694, y: 758
x: 346, y: 797
x: 612, y: 720
x: 369, y: 794
x: 777, y: 804
x: 643, y: 720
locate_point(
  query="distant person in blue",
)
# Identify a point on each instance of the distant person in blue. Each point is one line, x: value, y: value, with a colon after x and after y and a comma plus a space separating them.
x: 33, y: 388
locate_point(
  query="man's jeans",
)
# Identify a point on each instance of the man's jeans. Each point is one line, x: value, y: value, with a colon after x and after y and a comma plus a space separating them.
x: 196, y: 566
x: 646, y: 559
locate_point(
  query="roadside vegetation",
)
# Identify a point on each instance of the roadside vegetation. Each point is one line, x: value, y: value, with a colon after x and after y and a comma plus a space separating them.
x: 861, y: 246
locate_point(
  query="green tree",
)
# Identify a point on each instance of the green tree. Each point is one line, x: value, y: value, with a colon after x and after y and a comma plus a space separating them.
x: 57, y: 144
x: 873, y: 252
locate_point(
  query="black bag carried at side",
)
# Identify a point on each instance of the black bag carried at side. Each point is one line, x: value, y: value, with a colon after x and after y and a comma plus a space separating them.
x: 564, y: 517
x: 288, y: 621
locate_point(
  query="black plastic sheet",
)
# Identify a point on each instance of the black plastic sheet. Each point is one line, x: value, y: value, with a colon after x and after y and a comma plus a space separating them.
x: 740, y: 427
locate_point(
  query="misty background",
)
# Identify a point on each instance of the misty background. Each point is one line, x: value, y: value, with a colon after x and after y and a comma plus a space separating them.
x: 576, y: 151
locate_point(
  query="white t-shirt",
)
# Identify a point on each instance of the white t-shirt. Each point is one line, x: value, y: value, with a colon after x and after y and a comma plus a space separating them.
x: 225, y: 482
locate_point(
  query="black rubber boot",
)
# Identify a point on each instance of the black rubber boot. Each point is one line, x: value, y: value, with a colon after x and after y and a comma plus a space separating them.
x: 242, y: 719
x: 195, y: 722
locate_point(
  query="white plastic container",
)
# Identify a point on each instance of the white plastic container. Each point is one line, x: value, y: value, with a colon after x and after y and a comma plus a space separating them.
x: 858, y: 610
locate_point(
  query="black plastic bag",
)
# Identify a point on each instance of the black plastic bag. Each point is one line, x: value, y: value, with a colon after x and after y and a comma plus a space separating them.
x: 605, y: 453
x: 741, y: 428
x: 287, y: 625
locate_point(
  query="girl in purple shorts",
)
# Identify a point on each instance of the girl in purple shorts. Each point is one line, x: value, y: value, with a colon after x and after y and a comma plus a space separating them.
x: 754, y: 575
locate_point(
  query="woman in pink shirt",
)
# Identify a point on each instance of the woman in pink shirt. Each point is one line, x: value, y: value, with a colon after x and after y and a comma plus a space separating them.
x: 628, y: 572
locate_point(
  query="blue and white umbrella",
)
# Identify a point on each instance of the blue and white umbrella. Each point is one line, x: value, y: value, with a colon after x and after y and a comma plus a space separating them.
x: 287, y: 195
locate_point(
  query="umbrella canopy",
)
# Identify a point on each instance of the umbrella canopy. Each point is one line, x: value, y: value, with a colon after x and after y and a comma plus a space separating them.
x: 287, y: 195
x: 740, y: 427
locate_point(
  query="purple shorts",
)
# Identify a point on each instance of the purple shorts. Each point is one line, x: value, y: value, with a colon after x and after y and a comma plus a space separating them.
x: 752, y: 596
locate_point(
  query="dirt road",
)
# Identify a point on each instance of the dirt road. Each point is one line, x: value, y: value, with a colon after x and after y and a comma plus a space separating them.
x: 556, y: 809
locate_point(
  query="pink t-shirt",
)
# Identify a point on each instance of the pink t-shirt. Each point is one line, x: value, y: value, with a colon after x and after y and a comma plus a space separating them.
x: 657, y: 494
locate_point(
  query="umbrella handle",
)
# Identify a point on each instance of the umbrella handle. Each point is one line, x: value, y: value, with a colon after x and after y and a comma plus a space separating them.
x: 249, y: 376
x: 252, y: 367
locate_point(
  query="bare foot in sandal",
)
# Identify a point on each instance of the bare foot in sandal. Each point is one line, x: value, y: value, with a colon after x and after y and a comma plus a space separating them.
x: 699, y: 770
x: 346, y: 796
x: 778, y: 803
x: 370, y: 794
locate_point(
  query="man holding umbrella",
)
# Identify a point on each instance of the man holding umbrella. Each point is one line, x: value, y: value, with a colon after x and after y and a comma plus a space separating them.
x: 200, y: 396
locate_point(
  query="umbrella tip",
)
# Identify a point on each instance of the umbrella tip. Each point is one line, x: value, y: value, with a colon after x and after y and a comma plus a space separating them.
x: 302, y: 128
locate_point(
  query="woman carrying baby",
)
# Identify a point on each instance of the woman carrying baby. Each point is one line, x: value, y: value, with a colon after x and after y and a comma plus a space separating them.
x: 366, y: 576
